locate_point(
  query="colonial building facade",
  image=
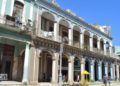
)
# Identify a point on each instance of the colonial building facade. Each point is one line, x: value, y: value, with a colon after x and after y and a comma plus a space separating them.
x: 31, y: 35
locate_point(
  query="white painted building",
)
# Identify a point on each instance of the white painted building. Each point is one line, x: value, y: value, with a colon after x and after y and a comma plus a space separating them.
x: 31, y: 32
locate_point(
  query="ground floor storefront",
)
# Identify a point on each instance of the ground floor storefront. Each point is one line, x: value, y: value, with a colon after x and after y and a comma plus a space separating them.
x: 31, y: 63
x: 42, y: 66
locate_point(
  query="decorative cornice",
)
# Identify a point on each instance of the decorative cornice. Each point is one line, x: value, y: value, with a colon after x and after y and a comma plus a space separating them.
x: 42, y: 42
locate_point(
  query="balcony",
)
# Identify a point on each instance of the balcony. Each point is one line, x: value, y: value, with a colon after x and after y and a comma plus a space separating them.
x: 96, y: 50
x: 15, y: 24
x: 76, y: 44
x: 12, y: 21
x: 47, y: 34
x: 101, y: 51
x: 86, y: 47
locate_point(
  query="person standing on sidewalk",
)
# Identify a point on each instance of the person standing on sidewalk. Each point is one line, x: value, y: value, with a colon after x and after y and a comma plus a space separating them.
x: 105, y: 79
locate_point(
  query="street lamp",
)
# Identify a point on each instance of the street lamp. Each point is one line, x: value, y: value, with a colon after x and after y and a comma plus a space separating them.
x: 64, y: 39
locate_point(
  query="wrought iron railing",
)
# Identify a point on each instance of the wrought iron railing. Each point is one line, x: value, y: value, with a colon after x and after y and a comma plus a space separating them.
x: 86, y: 47
x: 16, y: 22
x: 76, y: 44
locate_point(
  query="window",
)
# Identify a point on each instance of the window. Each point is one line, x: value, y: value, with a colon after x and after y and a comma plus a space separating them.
x: 44, y: 24
x: 18, y: 9
x: 47, y: 25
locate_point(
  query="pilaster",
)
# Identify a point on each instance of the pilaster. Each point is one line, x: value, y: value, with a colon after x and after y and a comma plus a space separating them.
x: 12, y: 5
x: 91, y: 42
x: 3, y: 7
x: 38, y: 23
x: 98, y: 43
x: 56, y: 31
x: 71, y: 36
x: 81, y: 40
x: 105, y: 48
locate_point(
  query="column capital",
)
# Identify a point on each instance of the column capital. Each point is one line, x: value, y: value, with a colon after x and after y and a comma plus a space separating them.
x: 82, y: 61
x: 71, y: 59
x: 99, y: 63
x: 55, y: 56
x: 91, y: 35
x: 106, y: 64
x: 98, y: 39
x: 38, y: 52
x: 92, y: 62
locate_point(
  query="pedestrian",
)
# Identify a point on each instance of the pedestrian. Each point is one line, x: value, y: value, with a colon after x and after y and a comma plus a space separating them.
x: 78, y: 78
x: 105, y: 78
x: 109, y: 80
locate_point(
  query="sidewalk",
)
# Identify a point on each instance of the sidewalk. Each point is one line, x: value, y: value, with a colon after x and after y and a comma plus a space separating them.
x: 101, y: 84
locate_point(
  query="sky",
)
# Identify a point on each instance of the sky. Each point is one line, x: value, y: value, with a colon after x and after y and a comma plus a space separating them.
x: 102, y: 12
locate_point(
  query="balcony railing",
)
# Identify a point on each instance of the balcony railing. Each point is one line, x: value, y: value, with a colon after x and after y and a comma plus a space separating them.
x: 12, y: 21
x: 47, y: 35
x: 86, y: 47
x: 76, y: 44
x: 96, y: 50
x: 16, y: 23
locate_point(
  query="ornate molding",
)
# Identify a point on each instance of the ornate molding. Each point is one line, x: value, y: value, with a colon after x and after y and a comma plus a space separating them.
x: 49, y: 44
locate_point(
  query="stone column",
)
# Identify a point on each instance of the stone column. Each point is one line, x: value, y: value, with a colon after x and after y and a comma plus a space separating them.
x: 117, y: 69
x: 55, y: 68
x: 106, y: 69
x: 70, y: 36
x: 105, y: 48
x: 26, y: 64
x: 111, y: 51
x: 82, y: 67
x: 100, y: 71
x: 81, y: 40
x: 111, y: 71
x: 91, y: 43
x: 56, y: 31
x: 113, y: 66
x: 92, y: 70
x: 71, y: 69
x: 98, y: 44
